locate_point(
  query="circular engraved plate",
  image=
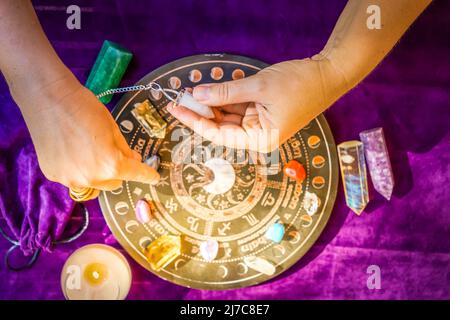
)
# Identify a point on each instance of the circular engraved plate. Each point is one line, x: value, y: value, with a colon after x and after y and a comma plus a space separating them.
x: 237, y: 218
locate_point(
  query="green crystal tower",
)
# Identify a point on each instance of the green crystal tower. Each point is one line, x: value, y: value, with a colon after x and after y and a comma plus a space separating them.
x: 108, y: 69
x: 354, y: 175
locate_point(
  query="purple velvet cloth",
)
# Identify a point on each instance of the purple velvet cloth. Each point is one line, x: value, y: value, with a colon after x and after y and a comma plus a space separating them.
x: 408, y: 95
x: 34, y: 210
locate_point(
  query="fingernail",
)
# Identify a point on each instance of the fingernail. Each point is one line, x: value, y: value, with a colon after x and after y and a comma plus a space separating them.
x: 201, y: 93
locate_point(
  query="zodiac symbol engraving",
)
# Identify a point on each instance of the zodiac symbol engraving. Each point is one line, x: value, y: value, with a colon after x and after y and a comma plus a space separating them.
x: 227, y: 253
x: 193, y: 222
x: 268, y: 200
x: 225, y: 227
x: 251, y: 219
x: 171, y: 205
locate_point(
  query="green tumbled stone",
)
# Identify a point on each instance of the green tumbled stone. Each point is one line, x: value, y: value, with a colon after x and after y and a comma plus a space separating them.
x: 108, y: 69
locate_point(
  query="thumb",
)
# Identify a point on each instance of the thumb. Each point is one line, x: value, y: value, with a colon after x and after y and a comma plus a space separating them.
x: 134, y: 170
x: 229, y: 92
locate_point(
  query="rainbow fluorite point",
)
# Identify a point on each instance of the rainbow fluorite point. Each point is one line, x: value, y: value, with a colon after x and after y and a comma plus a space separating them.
x: 354, y: 175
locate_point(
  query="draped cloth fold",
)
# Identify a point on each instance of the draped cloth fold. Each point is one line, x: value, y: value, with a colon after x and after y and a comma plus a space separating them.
x: 35, y: 210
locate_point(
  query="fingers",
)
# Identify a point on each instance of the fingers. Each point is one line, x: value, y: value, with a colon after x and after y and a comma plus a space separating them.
x: 107, y: 185
x: 227, y: 133
x: 231, y: 118
x: 133, y: 170
x: 238, y: 108
x: 230, y: 92
x: 191, y: 119
x: 123, y: 146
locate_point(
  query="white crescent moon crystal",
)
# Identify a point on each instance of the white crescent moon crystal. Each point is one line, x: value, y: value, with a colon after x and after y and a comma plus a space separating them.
x: 224, y: 176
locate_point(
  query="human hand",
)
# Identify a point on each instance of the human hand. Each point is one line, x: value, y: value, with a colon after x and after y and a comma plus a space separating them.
x: 262, y: 111
x: 77, y: 142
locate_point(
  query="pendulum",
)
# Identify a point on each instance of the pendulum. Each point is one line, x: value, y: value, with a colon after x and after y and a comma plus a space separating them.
x: 150, y: 119
x: 295, y: 170
x: 153, y: 161
x: 161, y: 252
x: 209, y: 249
x: 143, y: 211
x: 377, y: 157
x: 179, y: 97
x: 275, y: 232
x: 260, y: 265
x: 185, y: 99
x: 354, y: 175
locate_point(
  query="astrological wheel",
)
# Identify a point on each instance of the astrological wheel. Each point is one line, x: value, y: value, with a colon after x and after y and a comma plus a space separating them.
x: 211, y: 192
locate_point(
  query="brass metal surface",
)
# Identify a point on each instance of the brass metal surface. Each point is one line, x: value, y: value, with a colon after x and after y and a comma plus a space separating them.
x: 238, y: 218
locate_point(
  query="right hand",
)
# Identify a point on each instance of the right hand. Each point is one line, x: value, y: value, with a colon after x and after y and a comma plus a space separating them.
x: 77, y: 141
x: 264, y: 110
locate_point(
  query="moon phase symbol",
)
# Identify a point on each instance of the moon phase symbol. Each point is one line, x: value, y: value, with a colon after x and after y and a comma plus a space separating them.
x: 117, y: 191
x: 178, y: 262
x: 244, y: 266
x: 295, y: 237
x: 144, y: 241
x: 130, y: 224
x: 126, y: 126
x: 280, y: 249
x: 122, y: 208
x: 306, y: 220
x: 225, y: 271
x: 224, y: 176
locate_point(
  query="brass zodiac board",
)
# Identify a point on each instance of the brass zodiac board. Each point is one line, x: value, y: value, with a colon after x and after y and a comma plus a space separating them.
x: 237, y: 218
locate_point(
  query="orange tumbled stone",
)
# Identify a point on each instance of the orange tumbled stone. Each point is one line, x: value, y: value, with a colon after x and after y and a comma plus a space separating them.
x: 295, y: 170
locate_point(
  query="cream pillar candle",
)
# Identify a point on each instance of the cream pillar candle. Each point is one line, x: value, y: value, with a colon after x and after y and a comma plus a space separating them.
x: 96, y: 272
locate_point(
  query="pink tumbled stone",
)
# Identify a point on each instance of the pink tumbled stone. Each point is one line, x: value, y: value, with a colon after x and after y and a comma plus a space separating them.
x: 143, y: 211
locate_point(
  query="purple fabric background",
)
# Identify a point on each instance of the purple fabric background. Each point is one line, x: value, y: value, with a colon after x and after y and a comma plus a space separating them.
x: 408, y: 95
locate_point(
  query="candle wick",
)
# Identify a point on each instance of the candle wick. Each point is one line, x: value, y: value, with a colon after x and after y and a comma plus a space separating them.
x: 95, y: 274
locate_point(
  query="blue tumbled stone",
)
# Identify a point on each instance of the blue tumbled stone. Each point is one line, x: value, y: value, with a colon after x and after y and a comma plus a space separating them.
x: 275, y: 232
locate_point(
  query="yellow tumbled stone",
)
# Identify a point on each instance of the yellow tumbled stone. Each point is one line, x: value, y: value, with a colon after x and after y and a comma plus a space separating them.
x: 146, y: 114
x: 163, y: 251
